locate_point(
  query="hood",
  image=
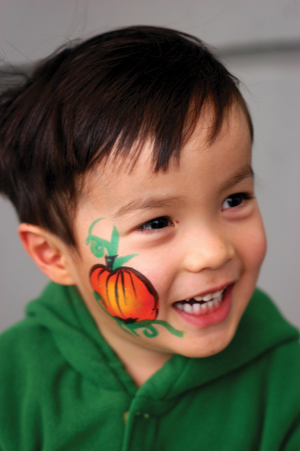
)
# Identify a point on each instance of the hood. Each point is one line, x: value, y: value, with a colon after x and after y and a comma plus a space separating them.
x: 61, y: 310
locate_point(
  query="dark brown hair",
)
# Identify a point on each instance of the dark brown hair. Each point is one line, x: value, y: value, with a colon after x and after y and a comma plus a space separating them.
x: 109, y: 93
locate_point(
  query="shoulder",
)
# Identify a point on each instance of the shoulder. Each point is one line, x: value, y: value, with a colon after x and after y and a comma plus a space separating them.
x: 29, y: 361
x: 278, y: 370
x: 267, y: 322
x: 30, y: 367
x: 22, y: 343
x: 26, y: 351
x: 28, y: 348
x: 271, y: 334
x: 281, y: 400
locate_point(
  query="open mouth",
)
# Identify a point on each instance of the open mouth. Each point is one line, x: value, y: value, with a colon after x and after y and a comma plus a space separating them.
x: 202, y: 305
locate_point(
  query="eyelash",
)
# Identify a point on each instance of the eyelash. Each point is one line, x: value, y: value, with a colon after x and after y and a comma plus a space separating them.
x: 244, y: 197
x: 143, y: 228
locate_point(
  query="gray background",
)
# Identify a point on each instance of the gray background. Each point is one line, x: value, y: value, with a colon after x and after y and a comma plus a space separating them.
x: 259, y: 41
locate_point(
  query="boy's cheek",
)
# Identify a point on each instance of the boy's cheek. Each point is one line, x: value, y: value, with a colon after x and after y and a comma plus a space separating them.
x: 250, y: 243
x: 258, y: 248
x: 155, y: 265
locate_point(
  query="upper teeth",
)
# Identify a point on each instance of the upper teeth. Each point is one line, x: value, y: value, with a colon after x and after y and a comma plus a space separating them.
x: 208, y: 297
x: 209, y: 303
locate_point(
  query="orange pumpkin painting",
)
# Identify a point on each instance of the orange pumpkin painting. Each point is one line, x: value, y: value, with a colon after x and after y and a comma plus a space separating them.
x: 125, y: 293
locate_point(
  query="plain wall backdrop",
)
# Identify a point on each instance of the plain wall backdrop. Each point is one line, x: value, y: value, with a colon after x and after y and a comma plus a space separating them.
x: 259, y: 41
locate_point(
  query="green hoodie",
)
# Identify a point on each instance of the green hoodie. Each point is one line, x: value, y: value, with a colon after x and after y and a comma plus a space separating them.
x: 62, y: 387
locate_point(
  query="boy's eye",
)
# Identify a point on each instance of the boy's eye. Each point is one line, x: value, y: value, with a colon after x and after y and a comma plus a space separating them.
x: 235, y: 200
x: 157, y: 223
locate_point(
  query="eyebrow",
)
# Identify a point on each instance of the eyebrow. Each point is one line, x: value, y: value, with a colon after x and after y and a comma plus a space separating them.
x: 244, y: 173
x: 167, y: 201
x: 147, y: 204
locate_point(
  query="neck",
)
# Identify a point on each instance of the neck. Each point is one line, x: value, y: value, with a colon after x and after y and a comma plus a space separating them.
x: 141, y: 363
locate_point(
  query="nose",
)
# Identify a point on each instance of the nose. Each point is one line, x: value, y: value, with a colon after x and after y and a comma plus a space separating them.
x: 207, y: 249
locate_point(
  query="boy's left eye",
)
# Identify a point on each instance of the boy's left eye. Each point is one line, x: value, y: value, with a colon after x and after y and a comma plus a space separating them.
x: 157, y: 223
x: 235, y: 200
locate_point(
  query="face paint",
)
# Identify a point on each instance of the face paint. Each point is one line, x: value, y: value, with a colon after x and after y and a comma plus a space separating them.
x: 122, y: 292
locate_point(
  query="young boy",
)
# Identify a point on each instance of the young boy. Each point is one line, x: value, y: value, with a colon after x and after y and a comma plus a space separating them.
x: 128, y: 159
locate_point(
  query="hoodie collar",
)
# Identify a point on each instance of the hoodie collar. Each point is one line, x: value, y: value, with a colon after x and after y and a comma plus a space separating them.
x: 61, y: 310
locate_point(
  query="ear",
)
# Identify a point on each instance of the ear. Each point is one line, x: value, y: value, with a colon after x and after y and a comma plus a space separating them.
x: 48, y: 253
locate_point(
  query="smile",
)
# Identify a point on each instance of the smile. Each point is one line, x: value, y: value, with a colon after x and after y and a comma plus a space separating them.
x: 206, y: 310
x: 202, y: 305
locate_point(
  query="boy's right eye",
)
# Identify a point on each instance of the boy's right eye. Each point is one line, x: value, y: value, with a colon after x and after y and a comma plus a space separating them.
x: 157, y: 223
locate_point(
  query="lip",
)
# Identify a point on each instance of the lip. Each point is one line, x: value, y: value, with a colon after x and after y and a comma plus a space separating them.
x: 213, y: 318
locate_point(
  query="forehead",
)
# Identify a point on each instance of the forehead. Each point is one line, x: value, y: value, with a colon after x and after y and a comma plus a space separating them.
x: 117, y: 178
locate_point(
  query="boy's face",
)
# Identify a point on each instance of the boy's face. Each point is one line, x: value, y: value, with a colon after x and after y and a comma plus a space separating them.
x: 194, y: 232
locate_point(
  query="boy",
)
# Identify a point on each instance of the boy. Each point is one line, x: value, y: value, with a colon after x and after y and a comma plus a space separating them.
x: 128, y: 158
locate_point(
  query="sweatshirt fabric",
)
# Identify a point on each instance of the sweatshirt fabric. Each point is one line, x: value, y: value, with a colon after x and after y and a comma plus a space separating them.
x: 63, y: 388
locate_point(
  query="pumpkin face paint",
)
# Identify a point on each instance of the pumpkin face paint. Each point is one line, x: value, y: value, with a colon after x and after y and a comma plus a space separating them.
x: 124, y: 293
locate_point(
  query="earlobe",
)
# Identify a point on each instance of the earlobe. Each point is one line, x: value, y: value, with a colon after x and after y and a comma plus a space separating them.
x: 47, y: 252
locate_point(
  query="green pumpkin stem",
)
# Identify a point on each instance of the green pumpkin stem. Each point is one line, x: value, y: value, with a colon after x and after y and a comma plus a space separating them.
x: 97, y: 246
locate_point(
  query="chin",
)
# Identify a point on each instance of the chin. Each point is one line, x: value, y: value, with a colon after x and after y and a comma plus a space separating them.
x: 200, y: 347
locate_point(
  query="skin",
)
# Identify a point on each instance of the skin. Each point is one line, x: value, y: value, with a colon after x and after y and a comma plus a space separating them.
x: 211, y: 236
